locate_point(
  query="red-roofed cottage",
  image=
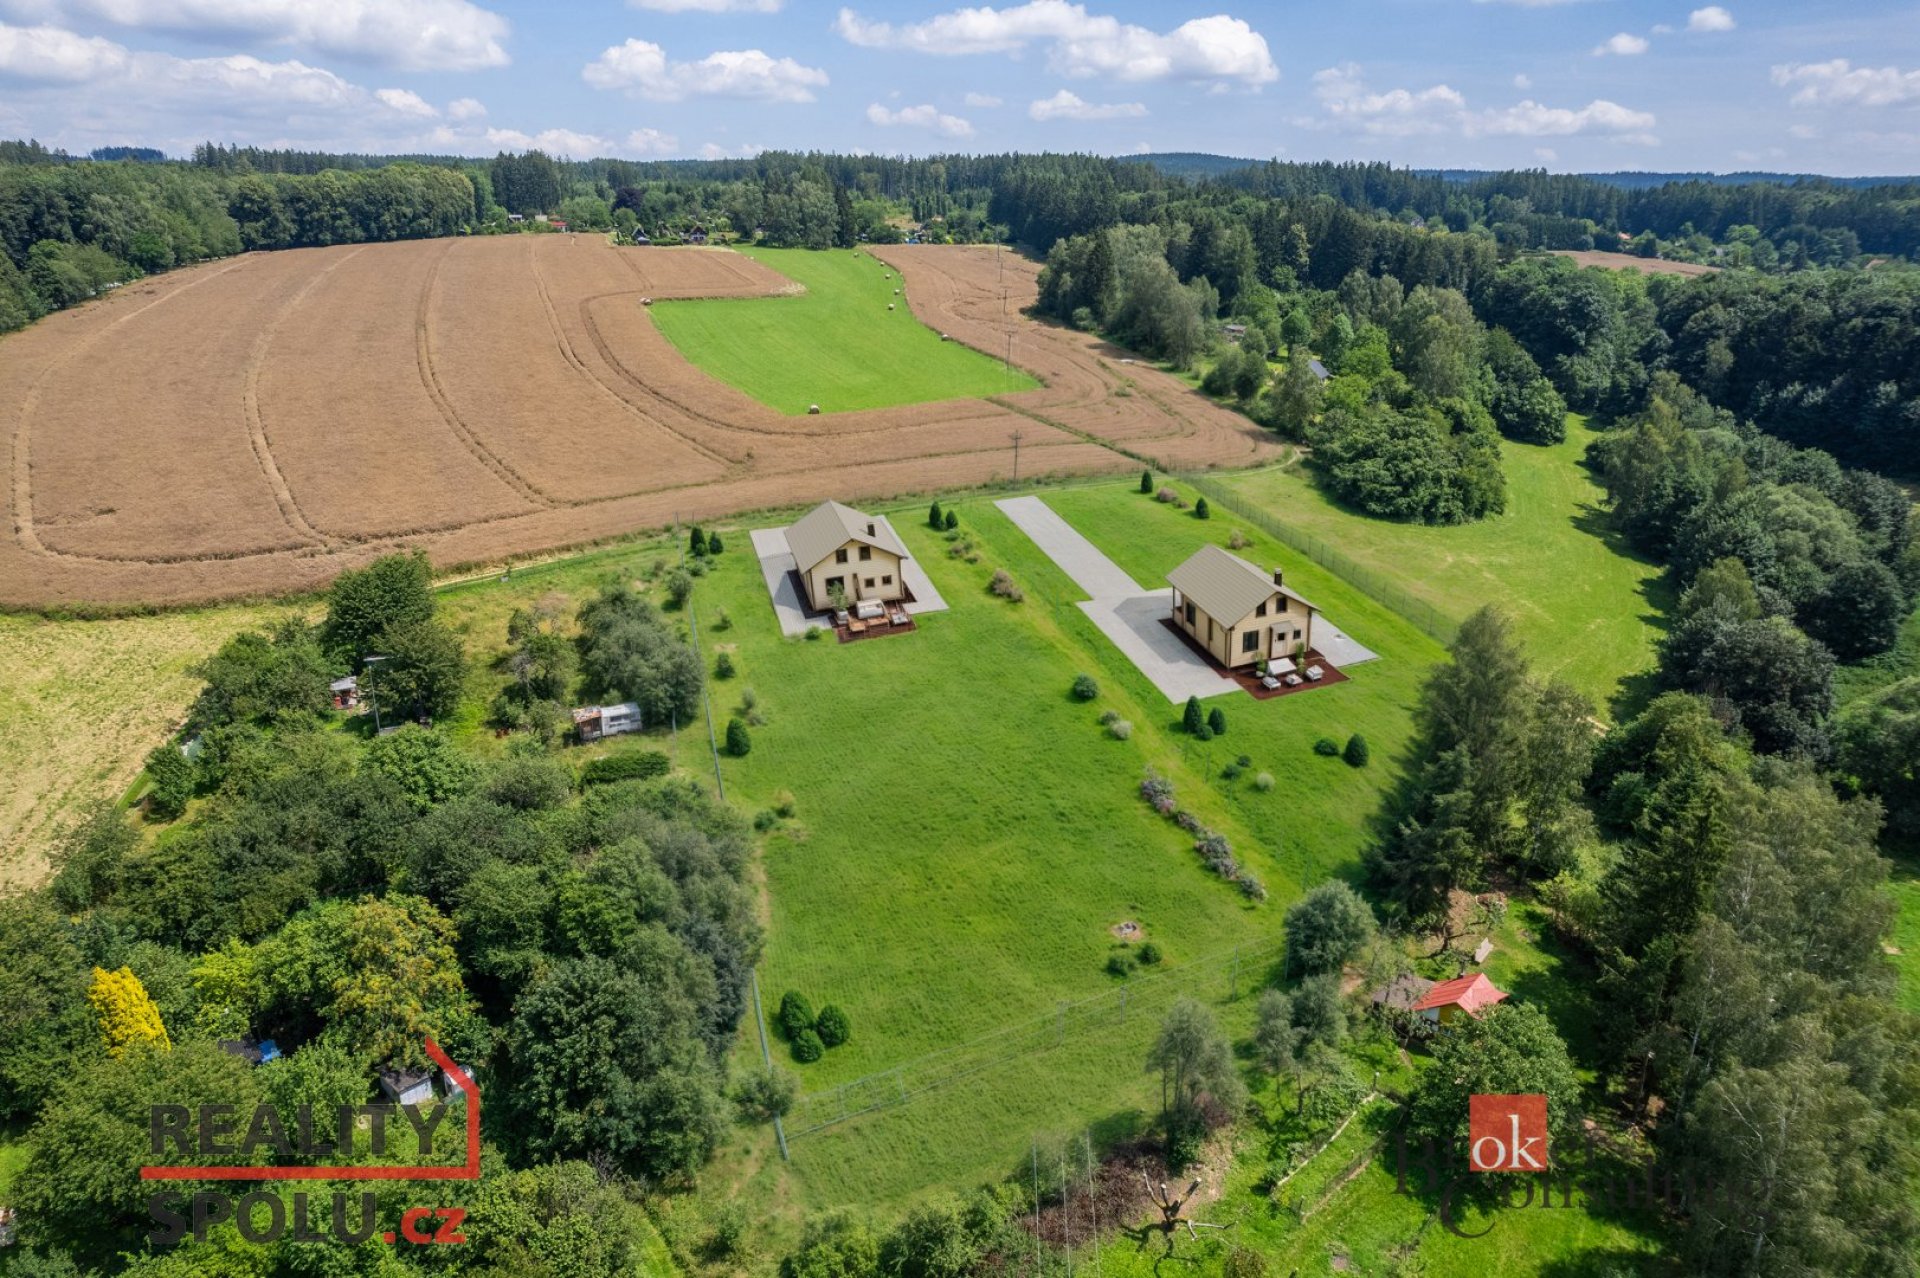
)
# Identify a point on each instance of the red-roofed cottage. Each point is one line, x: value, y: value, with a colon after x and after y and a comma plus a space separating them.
x: 1463, y: 995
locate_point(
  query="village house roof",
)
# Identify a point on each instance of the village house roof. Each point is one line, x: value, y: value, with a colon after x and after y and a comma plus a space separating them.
x: 1225, y: 586
x: 829, y: 526
x: 1469, y: 993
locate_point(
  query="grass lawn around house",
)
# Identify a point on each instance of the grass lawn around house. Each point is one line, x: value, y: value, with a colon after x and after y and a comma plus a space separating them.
x: 836, y: 345
x: 966, y: 833
x: 1587, y: 608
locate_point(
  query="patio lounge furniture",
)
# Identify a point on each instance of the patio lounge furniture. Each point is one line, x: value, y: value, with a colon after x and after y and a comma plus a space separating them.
x: 1292, y: 681
x: 1280, y: 666
x: 869, y: 610
x: 1268, y: 681
x: 1315, y: 673
x: 840, y: 617
x: 856, y: 627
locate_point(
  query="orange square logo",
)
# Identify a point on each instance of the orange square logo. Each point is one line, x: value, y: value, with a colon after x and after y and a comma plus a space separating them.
x: 1507, y: 1133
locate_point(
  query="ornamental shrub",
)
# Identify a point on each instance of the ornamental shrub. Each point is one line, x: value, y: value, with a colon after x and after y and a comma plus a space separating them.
x: 1146, y: 481
x: 1193, y: 718
x: 832, y: 1026
x: 1327, y: 746
x: 714, y: 545
x: 723, y: 666
x: 1217, y: 720
x: 952, y: 521
x: 1084, y: 688
x: 1148, y: 954
x: 1201, y: 510
x: 697, y: 542
x: 934, y: 518
x: 1356, y: 752
x: 1158, y: 791
x: 1118, y: 964
x: 807, y: 1047
x: 1264, y: 781
x: 796, y: 1013
x: 1120, y: 729
x: 738, y: 741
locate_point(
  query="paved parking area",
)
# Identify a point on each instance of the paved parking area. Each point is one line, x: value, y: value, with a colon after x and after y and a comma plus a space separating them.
x: 1129, y: 614
x: 777, y: 568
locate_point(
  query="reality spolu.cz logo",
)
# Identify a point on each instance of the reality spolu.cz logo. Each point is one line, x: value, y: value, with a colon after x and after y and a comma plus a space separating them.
x: 261, y: 1215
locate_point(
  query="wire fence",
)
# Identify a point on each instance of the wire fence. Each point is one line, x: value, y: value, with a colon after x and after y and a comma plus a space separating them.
x: 1141, y: 1000
x: 1376, y: 585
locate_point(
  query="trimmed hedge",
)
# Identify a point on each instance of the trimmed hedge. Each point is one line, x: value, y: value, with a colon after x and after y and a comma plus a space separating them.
x: 638, y: 765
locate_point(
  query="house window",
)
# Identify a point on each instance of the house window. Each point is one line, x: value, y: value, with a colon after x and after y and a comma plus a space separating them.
x: 1261, y: 611
x: 1250, y: 641
x: 1283, y: 604
x: 836, y: 583
x: 1296, y: 635
x: 840, y: 556
x: 1189, y: 607
x: 869, y: 583
x: 886, y: 581
x: 866, y: 553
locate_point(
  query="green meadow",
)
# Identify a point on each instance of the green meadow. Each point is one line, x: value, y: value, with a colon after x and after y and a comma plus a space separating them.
x: 1587, y: 608
x: 836, y: 344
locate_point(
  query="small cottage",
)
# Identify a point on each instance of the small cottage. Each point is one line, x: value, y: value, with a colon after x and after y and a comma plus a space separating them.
x: 1448, y: 1001
x: 595, y: 722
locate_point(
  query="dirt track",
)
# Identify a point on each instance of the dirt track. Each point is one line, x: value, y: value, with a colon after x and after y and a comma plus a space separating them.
x: 252, y: 427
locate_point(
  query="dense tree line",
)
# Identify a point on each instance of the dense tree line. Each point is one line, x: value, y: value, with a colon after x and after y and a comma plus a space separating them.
x: 348, y: 895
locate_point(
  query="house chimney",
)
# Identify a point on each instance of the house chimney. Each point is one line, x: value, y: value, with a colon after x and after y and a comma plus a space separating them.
x: 1278, y: 579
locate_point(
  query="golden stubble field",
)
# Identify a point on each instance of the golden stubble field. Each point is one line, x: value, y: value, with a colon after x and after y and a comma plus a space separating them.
x: 250, y: 427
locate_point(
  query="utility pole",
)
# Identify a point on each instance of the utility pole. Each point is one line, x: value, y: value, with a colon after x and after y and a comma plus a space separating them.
x: 1016, y: 437
x: 373, y: 694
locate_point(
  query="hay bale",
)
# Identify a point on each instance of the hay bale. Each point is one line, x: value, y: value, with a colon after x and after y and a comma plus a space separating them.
x: 889, y: 305
x: 646, y: 301
x: 813, y: 410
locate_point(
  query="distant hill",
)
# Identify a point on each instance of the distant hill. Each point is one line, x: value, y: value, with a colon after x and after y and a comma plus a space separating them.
x: 1197, y: 164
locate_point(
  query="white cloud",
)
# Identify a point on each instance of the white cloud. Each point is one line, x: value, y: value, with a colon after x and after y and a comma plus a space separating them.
x: 714, y: 151
x: 925, y: 116
x: 709, y: 6
x: 1533, y: 120
x: 643, y: 69
x: 1662, y: 28
x: 578, y: 146
x: 466, y: 109
x: 1441, y: 109
x: 51, y: 55
x: 1711, y: 18
x: 420, y: 35
x: 1523, y: 81
x: 1840, y: 83
x: 1545, y: 154
x: 1804, y: 132
x: 1395, y: 113
x: 985, y: 100
x: 1624, y: 45
x: 1081, y: 44
x: 406, y: 102
x: 1069, y: 106
x: 651, y: 142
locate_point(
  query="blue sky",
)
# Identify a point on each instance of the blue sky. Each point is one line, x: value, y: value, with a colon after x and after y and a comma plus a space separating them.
x: 1565, y: 84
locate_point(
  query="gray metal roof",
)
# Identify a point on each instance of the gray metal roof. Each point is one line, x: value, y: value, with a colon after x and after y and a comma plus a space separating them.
x: 1225, y: 586
x: 829, y: 526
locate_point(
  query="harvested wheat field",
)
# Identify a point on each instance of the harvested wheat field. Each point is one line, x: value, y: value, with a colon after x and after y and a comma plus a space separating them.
x: 1628, y: 262
x: 253, y: 426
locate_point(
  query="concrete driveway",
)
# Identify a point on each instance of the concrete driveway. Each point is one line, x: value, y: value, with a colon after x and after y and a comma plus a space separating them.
x: 1126, y: 612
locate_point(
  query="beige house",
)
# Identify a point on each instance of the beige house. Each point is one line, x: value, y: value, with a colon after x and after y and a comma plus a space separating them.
x: 1240, y: 614
x: 835, y: 546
